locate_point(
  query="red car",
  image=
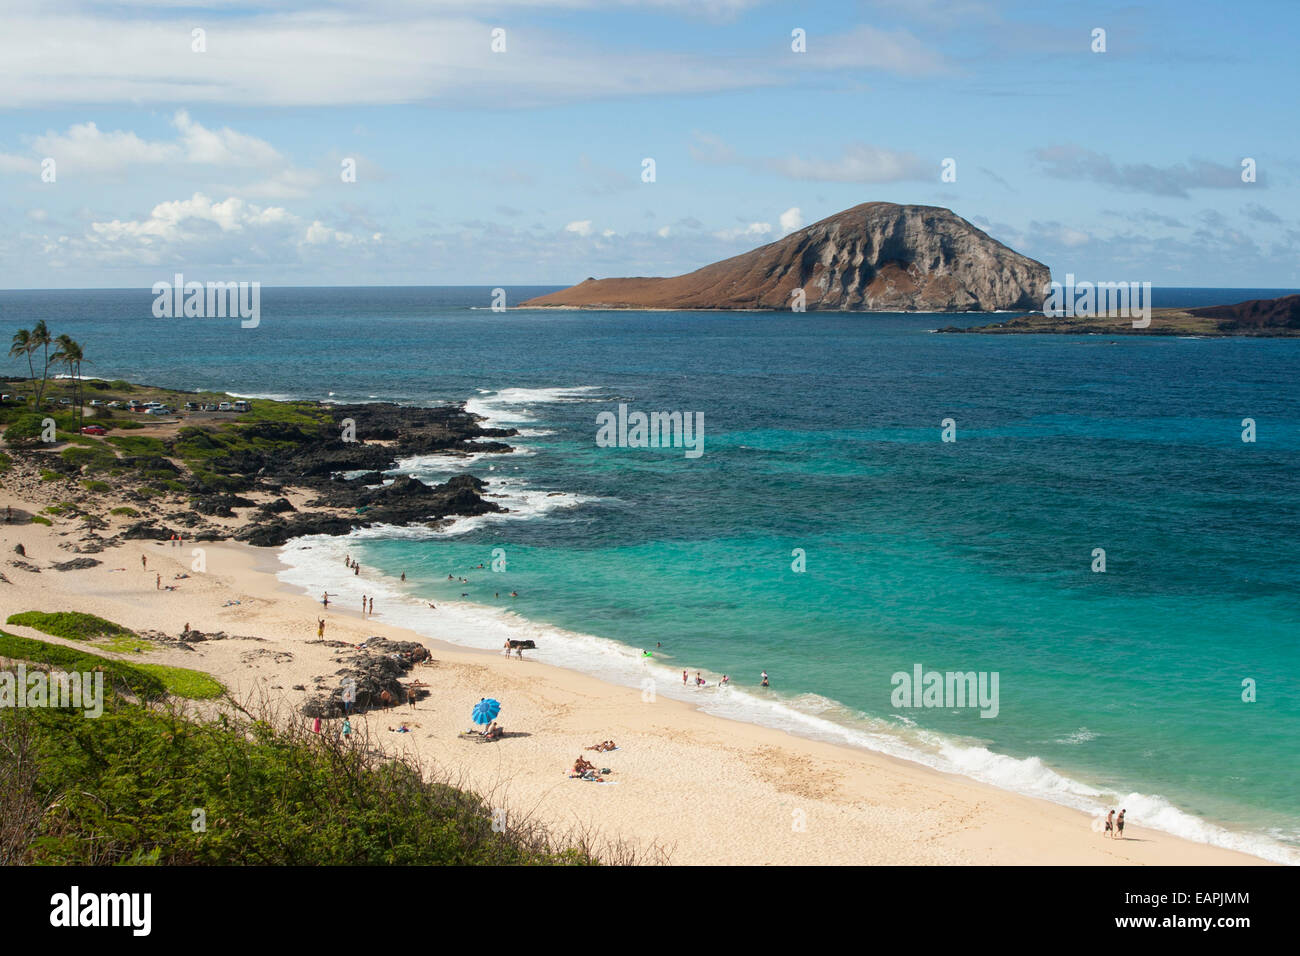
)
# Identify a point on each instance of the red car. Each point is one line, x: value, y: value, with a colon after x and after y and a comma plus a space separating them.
x: 94, y: 430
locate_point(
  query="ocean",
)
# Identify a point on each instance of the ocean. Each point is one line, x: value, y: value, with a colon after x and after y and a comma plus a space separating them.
x: 827, y: 534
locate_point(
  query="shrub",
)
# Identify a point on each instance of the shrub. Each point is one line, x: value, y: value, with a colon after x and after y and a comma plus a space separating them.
x: 25, y: 430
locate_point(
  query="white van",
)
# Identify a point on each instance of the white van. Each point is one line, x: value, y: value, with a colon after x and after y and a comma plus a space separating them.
x: 240, y: 406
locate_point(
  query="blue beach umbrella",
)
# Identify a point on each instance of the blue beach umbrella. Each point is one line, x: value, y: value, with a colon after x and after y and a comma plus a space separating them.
x: 486, y: 710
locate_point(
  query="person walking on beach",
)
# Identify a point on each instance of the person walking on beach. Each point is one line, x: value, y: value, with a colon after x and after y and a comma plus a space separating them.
x: 683, y: 678
x: 403, y: 577
x: 1119, y: 825
x: 363, y: 605
x: 347, y: 728
x: 410, y: 697
x: 1110, y: 824
x: 372, y: 607
x: 157, y: 581
x: 144, y: 562
x: 356, y: 567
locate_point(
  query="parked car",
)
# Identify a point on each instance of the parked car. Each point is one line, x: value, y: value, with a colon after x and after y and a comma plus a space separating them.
x: 158, y: 410
x: 134, y: 406
x: 225, y: 407
x: 191, y: 406
x: 94, y: 430
x: 240, y: 406
x: 65, y: 401
x: 95, y: 403
x: 114, y: 405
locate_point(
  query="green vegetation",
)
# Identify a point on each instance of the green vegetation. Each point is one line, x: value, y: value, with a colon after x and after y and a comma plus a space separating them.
x: 128, y: 783
x: 127, y: 677
x: 76, y: 626
x: 37, y: 519
x: 24, y: 430
x: 183, y: 682
x: 96, y: 458
x: 63, y: 507
x: 125, y: 512
x: 138, y: 444
x: 47, y: 475
x: 5, y: 462
x: 97, y: 486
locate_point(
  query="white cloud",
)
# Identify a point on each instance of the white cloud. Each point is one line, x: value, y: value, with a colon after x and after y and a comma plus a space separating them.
x: 384, y: 53
x: 753, y: 231
x: 178, y: 219
x: 223, y: 147
x: 581, y: 226
x: 859, y: 163
x: 791, y: 220
x: 85, y: 148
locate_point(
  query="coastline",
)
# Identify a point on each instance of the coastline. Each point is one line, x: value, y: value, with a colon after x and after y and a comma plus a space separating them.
x: 683, y: 779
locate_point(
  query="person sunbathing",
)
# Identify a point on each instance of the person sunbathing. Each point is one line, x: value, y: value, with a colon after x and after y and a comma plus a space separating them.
x: 582, y: 766
x: 495, y: 732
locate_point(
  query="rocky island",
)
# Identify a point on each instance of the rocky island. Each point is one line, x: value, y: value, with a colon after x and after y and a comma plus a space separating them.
x: 875, y: 257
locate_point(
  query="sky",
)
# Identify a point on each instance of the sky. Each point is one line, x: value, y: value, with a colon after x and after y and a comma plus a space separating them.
x: 451, y: 142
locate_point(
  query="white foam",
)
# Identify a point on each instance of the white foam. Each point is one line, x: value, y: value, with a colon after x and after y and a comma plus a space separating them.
x: 807, y: 715
x: 508, y: 405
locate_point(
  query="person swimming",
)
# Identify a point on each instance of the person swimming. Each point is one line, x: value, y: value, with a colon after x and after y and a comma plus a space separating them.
x: 765, y: 683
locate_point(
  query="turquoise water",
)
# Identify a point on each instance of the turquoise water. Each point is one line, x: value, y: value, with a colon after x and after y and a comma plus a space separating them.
x: 822, y: 433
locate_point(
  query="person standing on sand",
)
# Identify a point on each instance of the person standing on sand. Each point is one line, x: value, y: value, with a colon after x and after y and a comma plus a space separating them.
x: 356, y: 567
x: 157, y: 581
x: 144, y: 562
x: 347, y: 728
x: 320, y: 627
x: 1119, y: 825
x: 325, y: 598
x: 1110, y: 824
x: 315, y: 726
x: 363, y: 605
x: 372, y: 607
x: 410, y: 697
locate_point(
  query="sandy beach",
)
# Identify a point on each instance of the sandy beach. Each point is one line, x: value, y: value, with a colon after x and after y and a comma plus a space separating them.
x: 687, y: 787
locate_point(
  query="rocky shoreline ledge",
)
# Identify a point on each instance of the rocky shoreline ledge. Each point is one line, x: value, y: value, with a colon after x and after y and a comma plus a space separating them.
x: 289, y: 469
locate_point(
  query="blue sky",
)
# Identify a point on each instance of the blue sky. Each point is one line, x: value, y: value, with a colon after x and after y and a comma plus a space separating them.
x: 524, y: 166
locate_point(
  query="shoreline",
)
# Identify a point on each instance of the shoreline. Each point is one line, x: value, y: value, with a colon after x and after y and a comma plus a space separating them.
x: 682, y: 780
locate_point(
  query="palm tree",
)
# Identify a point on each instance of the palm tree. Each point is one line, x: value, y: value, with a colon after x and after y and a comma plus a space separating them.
x: 69, y: 353
x: 22, y: 345
x: 40, y: 339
